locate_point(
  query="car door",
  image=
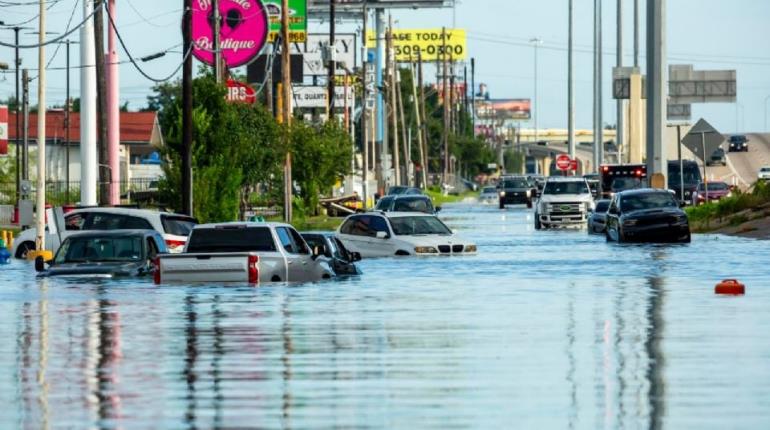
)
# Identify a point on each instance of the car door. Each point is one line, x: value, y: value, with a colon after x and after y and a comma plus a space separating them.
x: 380, y: 240
x: 355, y: 233
x: 613, y: 219
x: 298, y: 257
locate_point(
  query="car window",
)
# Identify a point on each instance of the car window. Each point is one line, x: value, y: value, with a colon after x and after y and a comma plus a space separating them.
x: 713, y: 186
x: 342, y: 252
x: 515, y: 183
x: 413, y: 205
x: 152, y: 248
x: 178, y: 225
x: 358, y: 226
x: 315, y: 241
x: 232, y: 239
x: 408, y: 226
x: 384, y: 204
x: 74, y: 221
x: 564, y: 187
x: 108, y: 221
x: 379, y: 223
x: 286, y: 242
x: 83, y: 249
x: 602, y: 206
x: 299, y: 243
x: 648, y: 201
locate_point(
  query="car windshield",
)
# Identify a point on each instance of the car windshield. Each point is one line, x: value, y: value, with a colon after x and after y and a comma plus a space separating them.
x: 564, y: 187
x: 100, y: 249
x: 602, y: 206
x: 489, y: 190
x: 765, y: 169
x: 622, y: 184
x: 397, y: 190
x: 648, y: 201
x: 515, y: 183
x: 412, y: 226
x: 714, y: 186
x: 413, y: 204
x: 691, y: 176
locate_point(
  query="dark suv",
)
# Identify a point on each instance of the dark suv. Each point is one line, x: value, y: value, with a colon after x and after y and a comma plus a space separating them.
x: 515, y: 190
x: 646, y: 215
x: 739, y: 143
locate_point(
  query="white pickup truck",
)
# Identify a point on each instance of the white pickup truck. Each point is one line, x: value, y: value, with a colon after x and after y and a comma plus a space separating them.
x: 564, y: 201
x: 243, y: 253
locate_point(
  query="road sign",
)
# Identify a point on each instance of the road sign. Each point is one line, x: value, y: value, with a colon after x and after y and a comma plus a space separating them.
x: 242, y: 35
x: 703, y: 134
x: 426, y: 44
x: 307, y: 96
x: 297, y: 20
x: 686, y: 85
x: 563, y: 162
x: 3, y: 130
x: 238, y: 92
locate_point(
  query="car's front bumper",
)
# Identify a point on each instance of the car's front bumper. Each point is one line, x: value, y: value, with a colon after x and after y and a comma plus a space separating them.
x: 564, y: 219
x: 513, y: 198
x: 657, y: 233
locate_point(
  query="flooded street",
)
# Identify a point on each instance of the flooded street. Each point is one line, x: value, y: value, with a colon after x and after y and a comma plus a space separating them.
x: 551, y: 329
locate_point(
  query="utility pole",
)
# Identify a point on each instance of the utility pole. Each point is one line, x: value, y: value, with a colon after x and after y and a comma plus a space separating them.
x: 113, y: 107
x: 218, y: 72
x: 365, y: 107
x: 465, y: 97
x: 656, y: 89
x: 421, y: 112
x: 536, y: 42
x: 418, y: 119
x: 41, y: 111
x: 391, y: 67
x: 406, y: 143
x: 445, y: 88
x: 88, y: 163
x: 101, y: 92
x: 598, y: 109
x: 570, y: 88
x: 332, y: 56
x: 636, y: 33
x: 25, y: 126
x: 67, y: 125
x: 620, y: 125
x: 473, y: 95
x: 381, y: 146
x: 187, y: 108
x: 287, y: 102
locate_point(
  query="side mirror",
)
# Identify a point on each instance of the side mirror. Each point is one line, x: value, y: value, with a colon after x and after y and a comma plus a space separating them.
x: 355, y: 256
x: 438, y: 209
x: 382, y: 235
x: 39, y: 264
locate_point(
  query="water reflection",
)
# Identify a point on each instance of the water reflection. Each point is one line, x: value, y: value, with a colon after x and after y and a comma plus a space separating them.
x: 560, y: 328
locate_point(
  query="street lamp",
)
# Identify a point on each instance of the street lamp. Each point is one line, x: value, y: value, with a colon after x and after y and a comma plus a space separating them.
x: 535, y: 41
x: 766, y: 100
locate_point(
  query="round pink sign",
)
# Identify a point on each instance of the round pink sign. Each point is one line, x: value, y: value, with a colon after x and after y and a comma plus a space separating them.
x: 243, y: 32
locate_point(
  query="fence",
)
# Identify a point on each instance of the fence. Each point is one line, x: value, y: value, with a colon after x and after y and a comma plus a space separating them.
x: 59, y: 193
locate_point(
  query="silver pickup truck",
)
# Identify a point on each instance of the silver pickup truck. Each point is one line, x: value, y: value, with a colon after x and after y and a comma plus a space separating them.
x: 243, y: 253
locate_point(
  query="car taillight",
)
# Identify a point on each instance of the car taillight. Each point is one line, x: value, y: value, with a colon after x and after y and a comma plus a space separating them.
x: 253, y: 269
x: 171, y: 244
x: 156, y: 274
x: 606, y: 168
x: 638, y: 173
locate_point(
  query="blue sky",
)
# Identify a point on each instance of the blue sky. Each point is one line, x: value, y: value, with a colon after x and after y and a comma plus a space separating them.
x: 710, y: 34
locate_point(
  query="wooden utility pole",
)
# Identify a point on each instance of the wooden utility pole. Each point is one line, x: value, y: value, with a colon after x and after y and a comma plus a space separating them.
x: 445, y: 175
x: 421, y: 112
x: 286, y: 80
x: 187, y: 108
x: 404, y: 137
x: 391, y: 67
x: 418, y: 119
x: 101, y: 100
x: 332, y: 58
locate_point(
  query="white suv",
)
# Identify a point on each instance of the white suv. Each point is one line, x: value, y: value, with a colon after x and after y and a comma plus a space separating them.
x: 764, y: 173
x: 564, y: 201
x: 174, y: 227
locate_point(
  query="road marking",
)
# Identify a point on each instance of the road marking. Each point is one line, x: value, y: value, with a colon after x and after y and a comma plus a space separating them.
x: 735, y: 172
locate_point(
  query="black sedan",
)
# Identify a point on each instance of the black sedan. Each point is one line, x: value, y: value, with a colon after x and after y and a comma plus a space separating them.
x: 340, y: 259
x: 515, y: 190
x: 106, y: 254
x: 646, y: 215
x: 597, y: 220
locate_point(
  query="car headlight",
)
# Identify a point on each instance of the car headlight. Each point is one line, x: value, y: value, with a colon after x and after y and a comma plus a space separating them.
x: 629, y: 223
x: 470, y: 248
x: 529, y: 193
x: 425, y: 250
x: 502, y: 193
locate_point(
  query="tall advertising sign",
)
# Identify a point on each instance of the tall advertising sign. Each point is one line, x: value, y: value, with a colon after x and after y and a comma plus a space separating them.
x: 3, y: 130
x: 297, y: 20
x: 244, y: 31
x: 426, y: 44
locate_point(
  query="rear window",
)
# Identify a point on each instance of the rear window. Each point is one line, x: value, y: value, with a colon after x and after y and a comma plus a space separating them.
x: 239, y: 239
x: 602, y: 206
x: 178, y: 225
x: 113, y: 221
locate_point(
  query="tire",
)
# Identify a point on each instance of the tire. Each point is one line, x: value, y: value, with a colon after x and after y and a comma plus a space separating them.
x: 23, y: 249
x: 529, y: 204
x: 538, y: 225
x: 502, y: 205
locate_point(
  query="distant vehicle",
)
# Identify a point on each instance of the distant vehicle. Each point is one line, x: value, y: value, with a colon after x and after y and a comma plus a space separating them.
x: 389, y: 234
x: 105, y: 254
x: 398, y: 190
x: 646, y: 215
x: 542, y: 142
x: 470, y: 185
x: 407, y: 203
x: 764, y: 173
x: 620, y: 177
x: 174, y: 227
x: 538, y: 181
x: 738, y: 143
x: 718, y: 157
x: 340, y: 259
x: 488, y: 195
x: 597, y: 220
x: 243, y: 253
x: 692, y: 177
x: 514, y: 190
x: 566, y: 200
x: 709, y: 192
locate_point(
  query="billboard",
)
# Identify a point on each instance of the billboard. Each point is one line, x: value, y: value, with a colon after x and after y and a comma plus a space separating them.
x: 297, y: 20
x: 426, y: 44
x: 242, y: 35
x: 312, y: 52
x: 504, y: 109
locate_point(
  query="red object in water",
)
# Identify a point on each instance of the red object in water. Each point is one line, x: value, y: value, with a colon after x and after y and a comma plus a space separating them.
x: 730, y: 287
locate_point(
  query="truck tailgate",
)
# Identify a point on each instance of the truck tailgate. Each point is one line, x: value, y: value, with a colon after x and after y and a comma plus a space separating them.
x: 215, y: 267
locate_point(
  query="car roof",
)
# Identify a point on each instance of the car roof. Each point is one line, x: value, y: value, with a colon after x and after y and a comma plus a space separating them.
x: 243, y: 224
x: 396, y: 214
x: 124, y: 211
x: 566, y: 179
x: 318, y: 233
x: 639, y: 191
x: 114, y: 233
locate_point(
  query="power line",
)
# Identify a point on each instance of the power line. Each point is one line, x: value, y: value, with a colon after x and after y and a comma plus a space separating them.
x: 57, y: 39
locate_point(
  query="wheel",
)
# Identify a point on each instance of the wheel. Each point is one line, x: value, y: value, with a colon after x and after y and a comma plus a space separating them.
x: 23, y: 249
x: 686, y: 239
x: 502, y: 205
x: 538, y: 225
x: 529, y: 204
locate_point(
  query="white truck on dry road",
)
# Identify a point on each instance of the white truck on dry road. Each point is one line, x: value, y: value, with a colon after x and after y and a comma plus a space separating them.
x: 243, y: 253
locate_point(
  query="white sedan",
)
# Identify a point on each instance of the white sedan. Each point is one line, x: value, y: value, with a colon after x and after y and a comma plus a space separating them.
x: 385, y: 234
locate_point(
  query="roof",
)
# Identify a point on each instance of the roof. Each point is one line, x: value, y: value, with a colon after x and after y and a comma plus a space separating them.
x: 566, y: 179
x: 135, y: 127
x: 241, y: 224
x: 124, y: 211
x: 113, y: 233
x: 638, y: 191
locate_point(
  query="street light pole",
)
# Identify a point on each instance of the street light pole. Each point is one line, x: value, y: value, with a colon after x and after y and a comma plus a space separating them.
x: 766, y: 100
x: 570, y: 90
x: 536, y: 42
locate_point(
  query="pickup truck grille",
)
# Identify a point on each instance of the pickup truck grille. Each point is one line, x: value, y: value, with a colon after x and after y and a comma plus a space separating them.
x: 565, y: 208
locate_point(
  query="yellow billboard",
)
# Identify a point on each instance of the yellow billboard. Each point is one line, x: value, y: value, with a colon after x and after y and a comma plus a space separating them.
x: 426, y: 44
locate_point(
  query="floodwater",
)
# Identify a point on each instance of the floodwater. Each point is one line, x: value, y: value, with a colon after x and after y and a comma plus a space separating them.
x: 553, y: 329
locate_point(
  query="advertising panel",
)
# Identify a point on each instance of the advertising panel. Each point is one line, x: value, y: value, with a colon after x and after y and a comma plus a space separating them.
x: 312, y: 52
x: 307, y: 96
x: 426, y: 44
x: 504, y: 109
x: 297, y: 20
x: 243, y: 33
x: 3, y: 130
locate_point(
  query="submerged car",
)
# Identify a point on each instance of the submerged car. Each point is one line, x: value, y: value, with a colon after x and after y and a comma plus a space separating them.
x: 406, y: 203
x: 387, y: 234
x: 398, y: 190
x: 488, y: 195
x: 106, y: 254
x: 515, y: 190
x: 342, y: 261
x: 597, y: 220
x: 646, y: 215
x: 565, y: 201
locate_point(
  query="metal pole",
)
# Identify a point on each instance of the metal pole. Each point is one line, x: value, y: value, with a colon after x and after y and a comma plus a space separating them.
x: 599, y: 118
x: 67, y: 125
x: 636, y: 33
x: 620, y: 123
x: 113, y: 107
x: 40, y: 206
x: 332, y: 53
x: 25, y: 128
x: 473, y: 95
x: 365, y: 106
x: 18, y: 110
x: 381, y: 150
x: 766, y: 100
x: 88, y: 164
x: 536, y: 42
x: 287, y: 103
x: 705, y: 175
x: 570, y: 89
x: 656, y: 88
x: 392, y: 96
x: 681, y: 163
x: 187, y: 108
x: 445, y: 88
x: 218, y: 73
